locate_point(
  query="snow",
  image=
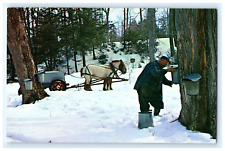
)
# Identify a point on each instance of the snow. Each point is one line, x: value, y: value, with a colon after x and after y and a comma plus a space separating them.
x: 78, y: 116
x: 98, y: 116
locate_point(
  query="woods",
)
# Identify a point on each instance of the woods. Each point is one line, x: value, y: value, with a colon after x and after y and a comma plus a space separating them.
x: 61, y: 33
x: 51, y: 37
x: 57, y: 35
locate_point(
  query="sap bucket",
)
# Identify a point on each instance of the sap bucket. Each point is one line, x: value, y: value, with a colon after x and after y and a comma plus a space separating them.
x: 192, y: 84
x: 145, y: 120
x: 175, y: 75
x: 28, y: 84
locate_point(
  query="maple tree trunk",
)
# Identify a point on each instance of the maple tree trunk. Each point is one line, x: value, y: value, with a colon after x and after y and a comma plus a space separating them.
x: 197, y: 53
x: 18, y: 45
x: 151, y: 34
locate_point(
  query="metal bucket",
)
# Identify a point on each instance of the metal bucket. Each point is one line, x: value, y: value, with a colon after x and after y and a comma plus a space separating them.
x: 145, y: 120
x: 192, y: 84
x: 192, y: 88
x: 28, y: 84
x: 41, y: 77
x: 175, y: 77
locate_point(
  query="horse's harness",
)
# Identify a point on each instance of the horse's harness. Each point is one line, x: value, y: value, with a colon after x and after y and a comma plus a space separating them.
x: 113, y: 68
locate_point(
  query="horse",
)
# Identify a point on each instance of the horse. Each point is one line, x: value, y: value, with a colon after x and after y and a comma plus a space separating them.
x: 103, y: 72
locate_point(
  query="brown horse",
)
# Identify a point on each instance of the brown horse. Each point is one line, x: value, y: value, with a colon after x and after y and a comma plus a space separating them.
x: 104, y: 72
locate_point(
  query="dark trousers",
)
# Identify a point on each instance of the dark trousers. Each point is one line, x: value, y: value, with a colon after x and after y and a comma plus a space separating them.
x: 144, y: 102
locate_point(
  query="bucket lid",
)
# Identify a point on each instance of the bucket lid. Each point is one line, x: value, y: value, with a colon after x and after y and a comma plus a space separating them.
x: 193, y: 77
x: 26, y: 80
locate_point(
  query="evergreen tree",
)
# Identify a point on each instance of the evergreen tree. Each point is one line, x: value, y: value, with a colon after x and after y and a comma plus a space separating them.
x: 58, y: 34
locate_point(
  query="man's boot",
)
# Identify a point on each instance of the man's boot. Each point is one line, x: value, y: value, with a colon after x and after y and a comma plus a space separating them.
x: 156, y: 112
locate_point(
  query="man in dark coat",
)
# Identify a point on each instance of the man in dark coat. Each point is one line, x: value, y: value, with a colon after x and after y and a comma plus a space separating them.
x: 149, y: 85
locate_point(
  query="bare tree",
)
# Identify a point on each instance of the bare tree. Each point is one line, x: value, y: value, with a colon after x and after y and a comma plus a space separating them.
x: 151, y: 30
x: 18, y: 45
x: 124, y: 28
x: 106, y: 11
x: 171, y: 31
x: 197, y: 53
x: 141, y: 18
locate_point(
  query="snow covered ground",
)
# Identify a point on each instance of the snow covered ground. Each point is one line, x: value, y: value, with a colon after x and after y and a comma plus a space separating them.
x: 99, y: 116
x: 78, y: 116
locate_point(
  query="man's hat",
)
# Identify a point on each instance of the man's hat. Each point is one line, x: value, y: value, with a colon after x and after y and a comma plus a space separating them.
x: 164, y: 57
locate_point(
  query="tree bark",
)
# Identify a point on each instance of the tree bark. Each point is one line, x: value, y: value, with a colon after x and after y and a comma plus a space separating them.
x: 17, y: 42
x: 83, y: 57
x: 151, y: 32
x: 107, y: 10
x: 11, y: 66
x: 67, y: 61
x: 140, y: 15
x: 127, y: 18
x: 93, y: 53
x: 75, y: 60
x: 124, y: 29
x: 171, y: 31
x: 197, y: 51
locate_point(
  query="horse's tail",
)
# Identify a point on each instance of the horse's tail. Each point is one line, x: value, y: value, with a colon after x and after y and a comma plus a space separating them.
x: 81, y: 72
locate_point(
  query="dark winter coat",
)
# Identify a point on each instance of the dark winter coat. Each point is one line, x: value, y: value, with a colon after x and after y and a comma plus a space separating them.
x: 149, y: 84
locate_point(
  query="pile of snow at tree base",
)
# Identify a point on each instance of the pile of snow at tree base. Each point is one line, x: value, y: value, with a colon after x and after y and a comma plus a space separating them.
x: 75, y: 115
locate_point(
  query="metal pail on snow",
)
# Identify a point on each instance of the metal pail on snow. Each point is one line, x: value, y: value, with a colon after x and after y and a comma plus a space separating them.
x: 145, y: 120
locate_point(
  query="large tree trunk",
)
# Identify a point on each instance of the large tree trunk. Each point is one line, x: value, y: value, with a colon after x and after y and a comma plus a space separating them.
x: 197, y: 51
x: 17, y: 42
x: 151, y: 30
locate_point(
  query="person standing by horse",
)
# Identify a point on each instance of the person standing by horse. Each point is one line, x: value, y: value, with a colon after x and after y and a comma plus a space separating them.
x: 149, y: 85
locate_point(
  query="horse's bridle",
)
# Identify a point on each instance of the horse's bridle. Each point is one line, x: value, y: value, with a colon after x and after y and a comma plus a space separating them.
x: 112, y: 67
x: 121, y: 67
